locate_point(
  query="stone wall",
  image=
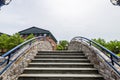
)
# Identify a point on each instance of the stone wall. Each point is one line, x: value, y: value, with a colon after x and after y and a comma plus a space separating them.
x: 93, y: 55
x: 13, y: 72
x: 44, y: 46
x: 52, y: 42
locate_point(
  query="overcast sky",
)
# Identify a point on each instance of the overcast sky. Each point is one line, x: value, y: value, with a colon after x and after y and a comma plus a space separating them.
x: 64, y: 18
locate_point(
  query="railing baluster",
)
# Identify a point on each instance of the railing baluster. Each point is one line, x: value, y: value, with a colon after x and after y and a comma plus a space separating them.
x: 90, y: 43
x: 111, y: 57
x: 8, y: 59
x: 81, y: 44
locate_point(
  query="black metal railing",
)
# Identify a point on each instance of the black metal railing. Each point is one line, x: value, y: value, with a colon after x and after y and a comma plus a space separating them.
x: 115, y: 2
x: 4, y: 2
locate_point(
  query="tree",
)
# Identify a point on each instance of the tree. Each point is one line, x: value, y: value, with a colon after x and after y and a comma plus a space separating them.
x: 113, y: 46
x: 16, y: 39
x: 4, y: 42
x: 100, y: 41
x: 9, y: 42
x: 30, y: 36
x: 63, y: 45
x: 60, y: 47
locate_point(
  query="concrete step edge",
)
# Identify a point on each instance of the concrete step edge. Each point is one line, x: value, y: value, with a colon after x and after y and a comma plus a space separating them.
x: 57, y: 56
x: 60, y: 51
x: 66, y: 63
x: 60, y: 75
x: 32, y: 68
x: 63, y: 59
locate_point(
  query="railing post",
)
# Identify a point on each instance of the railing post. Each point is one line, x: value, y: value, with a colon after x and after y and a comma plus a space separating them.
x: 111, y: 57
x: 8, y: 59
x: 81, y: 44
x: 90, y: 43
x: 30, y: 43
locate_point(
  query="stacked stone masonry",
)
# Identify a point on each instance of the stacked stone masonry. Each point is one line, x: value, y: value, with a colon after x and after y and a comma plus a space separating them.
x: 13, y: 72
x: 93, y: 55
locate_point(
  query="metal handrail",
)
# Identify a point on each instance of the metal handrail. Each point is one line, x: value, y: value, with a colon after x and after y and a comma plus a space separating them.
x: 12, y: 52
x: 4, y: 2
x: 114, y: 59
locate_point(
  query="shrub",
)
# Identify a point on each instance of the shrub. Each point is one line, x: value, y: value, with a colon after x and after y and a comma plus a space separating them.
x: 63, y: 45
x: 113, y: 46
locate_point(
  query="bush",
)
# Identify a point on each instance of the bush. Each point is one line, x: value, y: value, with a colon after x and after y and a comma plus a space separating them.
x: 60, y: 47
x: 113, y: 46
x: 100, y: 41
x: 63, y: 45
x: 9, y: 42
x: 4, y: 42
x: 15, y: 40
x: 29, y: 37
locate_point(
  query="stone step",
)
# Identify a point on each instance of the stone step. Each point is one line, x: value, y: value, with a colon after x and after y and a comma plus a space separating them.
x: 60, y: 71
x: 61, y: 54
x: 62, y: 65
x: 60, y: 57
x: 60, y: 51
x: 61, y: 60
x: 60, y: 77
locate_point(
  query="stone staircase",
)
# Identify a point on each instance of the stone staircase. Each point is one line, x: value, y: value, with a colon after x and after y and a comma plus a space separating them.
x: 60, y: 65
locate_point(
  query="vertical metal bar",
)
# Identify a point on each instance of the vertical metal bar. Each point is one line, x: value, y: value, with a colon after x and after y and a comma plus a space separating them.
x: 30, y: 43
x: 111, y: 57
x: 90, y: 43
x: 8, y: 58
x: 81, y: 44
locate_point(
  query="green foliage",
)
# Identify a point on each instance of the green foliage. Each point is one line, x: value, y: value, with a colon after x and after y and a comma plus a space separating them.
x: 4, y: 41
x: 100, y: 41
x: 15, y: 40
x: 60, y: 47
x: 63, y: 44
x: 9, y: 42
x: 114, y: 46
x: 30, y: 36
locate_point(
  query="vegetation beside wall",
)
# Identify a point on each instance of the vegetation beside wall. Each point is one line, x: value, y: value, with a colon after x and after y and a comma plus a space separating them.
x: 63, y: 45
x: 8, y: 42
x: 113, y: 46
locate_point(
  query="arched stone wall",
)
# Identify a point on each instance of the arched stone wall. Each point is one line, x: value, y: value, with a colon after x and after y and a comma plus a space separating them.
x: 93, y: 55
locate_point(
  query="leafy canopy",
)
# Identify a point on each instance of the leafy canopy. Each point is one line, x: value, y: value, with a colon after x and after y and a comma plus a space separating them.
x: 63, y: 44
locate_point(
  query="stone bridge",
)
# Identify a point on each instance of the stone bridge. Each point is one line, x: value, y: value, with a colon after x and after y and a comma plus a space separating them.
x: 36, y: 60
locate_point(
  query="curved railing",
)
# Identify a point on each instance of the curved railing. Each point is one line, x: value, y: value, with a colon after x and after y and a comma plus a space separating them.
x: 114, y: 59
x: 115, y: 2
x: 11, y: 56
x: 4, y: 2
